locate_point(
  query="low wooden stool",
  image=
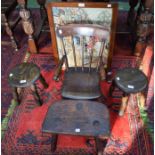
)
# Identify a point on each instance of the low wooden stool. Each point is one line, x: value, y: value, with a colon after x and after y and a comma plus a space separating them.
x: 79, y: 118
x: 130, y: 81
x: 25, y: 75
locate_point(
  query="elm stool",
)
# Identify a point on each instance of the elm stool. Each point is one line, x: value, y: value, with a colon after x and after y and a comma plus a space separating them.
x: 25, y: 75
x: 130, y: 81
x: 79, y: 118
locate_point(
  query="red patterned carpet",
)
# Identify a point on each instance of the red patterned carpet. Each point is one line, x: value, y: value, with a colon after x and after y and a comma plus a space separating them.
x: 24, y: 136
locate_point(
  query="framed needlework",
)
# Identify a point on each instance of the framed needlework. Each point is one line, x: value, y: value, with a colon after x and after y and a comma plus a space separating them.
x: 103, y: 14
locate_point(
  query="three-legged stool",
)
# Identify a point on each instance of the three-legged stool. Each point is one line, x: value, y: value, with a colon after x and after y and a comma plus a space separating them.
x: 25, y: 75
x: 130, y: 81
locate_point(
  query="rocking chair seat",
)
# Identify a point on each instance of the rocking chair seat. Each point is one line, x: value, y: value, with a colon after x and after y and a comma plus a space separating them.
x: 80, y: 84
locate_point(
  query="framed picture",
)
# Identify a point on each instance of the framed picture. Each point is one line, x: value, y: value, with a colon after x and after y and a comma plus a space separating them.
x: 103, y: 14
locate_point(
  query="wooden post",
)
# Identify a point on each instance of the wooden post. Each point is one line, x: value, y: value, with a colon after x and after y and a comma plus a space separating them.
x: 123, y: 104
x: 54, y: 142
x: 131, y: 13
x: 9, y: 32
x: 27, y: 25
x: 143, y: 28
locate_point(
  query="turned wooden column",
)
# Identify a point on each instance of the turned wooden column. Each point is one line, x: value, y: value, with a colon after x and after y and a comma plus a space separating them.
x: 27, y: 25
x: 131, y: 13
x: 43, y: 16
x: 143, y: 28
x: 9, y: 31
x: 42, y: 8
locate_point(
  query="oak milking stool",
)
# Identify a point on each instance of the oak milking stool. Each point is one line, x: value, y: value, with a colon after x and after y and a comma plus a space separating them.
x: 80, y: 118
x: 129, y: 80
x: 25, y: 75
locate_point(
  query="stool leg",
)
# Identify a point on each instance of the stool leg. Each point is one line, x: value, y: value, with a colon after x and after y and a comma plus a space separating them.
x: 42, y: 80
x: 54, y: 142
x: 36, y: 94
x: 15, y: 95
x: 141, y: 98
x: 112, y: 87
x: 123, y: 105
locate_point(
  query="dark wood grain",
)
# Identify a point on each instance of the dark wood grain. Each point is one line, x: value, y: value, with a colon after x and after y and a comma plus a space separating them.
x: 77, y: 117
x: 80, y: 84
x: 7, y: 8
x: 131, y: 80
x: 24, y: 75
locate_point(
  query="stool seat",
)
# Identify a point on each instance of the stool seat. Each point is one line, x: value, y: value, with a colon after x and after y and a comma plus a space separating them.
x: 77, y: 117
x: 131, y: 80
x: 24, y: 75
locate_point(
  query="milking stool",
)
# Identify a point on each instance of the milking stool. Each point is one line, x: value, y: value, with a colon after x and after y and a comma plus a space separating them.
x: 25, y: 75
x: 130, y: 81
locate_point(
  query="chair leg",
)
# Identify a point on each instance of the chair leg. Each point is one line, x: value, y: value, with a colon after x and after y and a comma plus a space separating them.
x: 15, y: 95
x: 42, y: 80
x: 54, y: 142
x: 36, y: 94
x: 123, y: 105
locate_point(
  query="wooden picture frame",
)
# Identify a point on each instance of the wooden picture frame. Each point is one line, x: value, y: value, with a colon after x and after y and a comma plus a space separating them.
x: 60, y: 13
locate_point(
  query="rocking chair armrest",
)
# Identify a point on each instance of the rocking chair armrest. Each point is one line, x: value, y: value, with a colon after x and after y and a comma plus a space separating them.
x: 59, y: 68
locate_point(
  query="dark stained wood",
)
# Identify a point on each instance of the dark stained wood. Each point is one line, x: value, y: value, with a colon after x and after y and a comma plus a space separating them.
x: 77, y: 117
x: 27, y: 26
x: 6, y: 10
x: 36, y: 94
x: 16, y: 95
x: 54, y: 142
x: 59, y: 68
x: 42, y: 80
x: 24, y: 75
x: 131, y: 80
x: 86, y: 5
x: 89, y: 77
x: 83, y: 30
x: 81, y: 84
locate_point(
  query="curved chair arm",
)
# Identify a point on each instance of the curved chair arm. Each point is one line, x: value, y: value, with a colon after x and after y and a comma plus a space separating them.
x: 59, y: 68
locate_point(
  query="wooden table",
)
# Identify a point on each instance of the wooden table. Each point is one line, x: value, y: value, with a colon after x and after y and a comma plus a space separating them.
x: 79, y: 118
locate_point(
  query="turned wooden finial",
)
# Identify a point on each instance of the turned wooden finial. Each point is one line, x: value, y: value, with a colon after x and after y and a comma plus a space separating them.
x: 28, y: 28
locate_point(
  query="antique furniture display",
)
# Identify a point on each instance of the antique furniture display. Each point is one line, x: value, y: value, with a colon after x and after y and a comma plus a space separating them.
x: 130, y: 81
x: 103, y: 14
x: 33, y: 31
x: 141, y: 23
x: 25, y: 75
x: 79, y: 118
x: 81, y: 80
x: 7, y: 7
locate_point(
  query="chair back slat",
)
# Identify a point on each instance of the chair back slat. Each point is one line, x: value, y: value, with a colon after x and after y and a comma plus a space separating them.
x: 100, y: 55
x: 74, y: 54
x: 90, y: 59
x: 66, y: 61
x: 83, y: 49
x: 91, y: 38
